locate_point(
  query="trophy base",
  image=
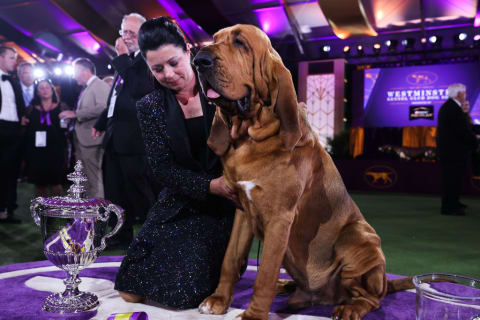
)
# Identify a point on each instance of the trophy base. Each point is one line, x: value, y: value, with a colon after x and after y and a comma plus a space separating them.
x: 84, y: 301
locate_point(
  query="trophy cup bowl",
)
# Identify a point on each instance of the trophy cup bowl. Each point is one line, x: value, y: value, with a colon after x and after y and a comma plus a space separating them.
x: 74, y: 230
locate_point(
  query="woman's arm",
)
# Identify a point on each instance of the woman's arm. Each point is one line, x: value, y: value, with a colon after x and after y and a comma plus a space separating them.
x: 175, y: 177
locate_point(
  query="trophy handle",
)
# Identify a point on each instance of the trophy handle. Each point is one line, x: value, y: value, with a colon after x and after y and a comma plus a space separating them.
x: 34, y: 210
x: 120, y: 218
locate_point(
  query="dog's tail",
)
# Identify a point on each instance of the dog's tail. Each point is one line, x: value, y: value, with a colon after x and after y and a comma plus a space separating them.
x: 400, y: 284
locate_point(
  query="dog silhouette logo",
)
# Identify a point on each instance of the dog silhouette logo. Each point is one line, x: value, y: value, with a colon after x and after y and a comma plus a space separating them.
x: 475, y: 182
x: 422, y: 78
x: 380, y: 177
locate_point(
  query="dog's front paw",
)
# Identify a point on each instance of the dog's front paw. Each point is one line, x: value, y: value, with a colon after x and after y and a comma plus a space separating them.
x: 349, y: 312
x: 214, y: 305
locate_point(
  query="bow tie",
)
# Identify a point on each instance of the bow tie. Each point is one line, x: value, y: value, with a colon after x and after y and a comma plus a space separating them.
x: 6, y: 77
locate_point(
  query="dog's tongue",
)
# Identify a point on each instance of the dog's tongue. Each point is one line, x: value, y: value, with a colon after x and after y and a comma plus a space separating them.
x: 212, y: 94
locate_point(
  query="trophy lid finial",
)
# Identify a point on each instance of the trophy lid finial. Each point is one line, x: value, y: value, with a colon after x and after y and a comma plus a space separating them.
x: 76, y: 190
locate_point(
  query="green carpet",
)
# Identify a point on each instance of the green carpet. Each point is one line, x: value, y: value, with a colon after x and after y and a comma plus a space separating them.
x: 415, y: 237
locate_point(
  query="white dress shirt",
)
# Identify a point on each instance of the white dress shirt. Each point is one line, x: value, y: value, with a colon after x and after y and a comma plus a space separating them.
x: 458, y: 102
x: 9, y: 107
x: 27, y: 94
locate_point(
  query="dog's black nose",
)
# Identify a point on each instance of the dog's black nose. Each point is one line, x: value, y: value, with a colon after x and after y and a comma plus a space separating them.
x: 203, y: 60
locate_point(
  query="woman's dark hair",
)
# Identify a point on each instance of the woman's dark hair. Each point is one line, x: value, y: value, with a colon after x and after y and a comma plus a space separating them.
x: 160, y: 31
x: 36, y: 98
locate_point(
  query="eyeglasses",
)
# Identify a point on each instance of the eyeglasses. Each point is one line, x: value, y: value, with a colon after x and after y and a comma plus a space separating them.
x: 129, y: 33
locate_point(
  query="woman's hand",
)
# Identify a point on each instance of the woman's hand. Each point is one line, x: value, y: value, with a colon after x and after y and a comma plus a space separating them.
x: 220, y: 188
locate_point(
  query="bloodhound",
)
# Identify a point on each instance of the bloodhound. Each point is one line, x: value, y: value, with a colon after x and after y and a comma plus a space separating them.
x: 292, y: 195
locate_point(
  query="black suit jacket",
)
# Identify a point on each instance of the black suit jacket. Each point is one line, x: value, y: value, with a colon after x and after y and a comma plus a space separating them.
x: 17, y: 90
x: 122, y: 132
x: 186, y: 180
x: 455, y: 138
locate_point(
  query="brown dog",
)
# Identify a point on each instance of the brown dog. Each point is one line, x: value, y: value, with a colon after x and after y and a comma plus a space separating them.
x: 293, y: 197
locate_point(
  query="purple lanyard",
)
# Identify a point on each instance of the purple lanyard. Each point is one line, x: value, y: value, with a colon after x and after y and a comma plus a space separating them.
x: 45, y: 117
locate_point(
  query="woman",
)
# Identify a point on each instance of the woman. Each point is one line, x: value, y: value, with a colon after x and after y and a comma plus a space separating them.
x: 45, y: 141
x: 176, y: 258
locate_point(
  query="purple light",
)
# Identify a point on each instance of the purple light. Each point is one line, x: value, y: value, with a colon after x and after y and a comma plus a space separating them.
x: 188, y: 26
x: 266, y: 26
x: 86, y: 41
x: 273, y: 21
x: 477, y: 37
x: 476, y: 22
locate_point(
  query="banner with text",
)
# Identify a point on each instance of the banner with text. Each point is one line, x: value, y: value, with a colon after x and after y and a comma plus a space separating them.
x: 412, y: 96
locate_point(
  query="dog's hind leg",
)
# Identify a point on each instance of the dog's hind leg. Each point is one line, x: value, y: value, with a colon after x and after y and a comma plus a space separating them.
x: 237, y: 250
x: 300, y: 299
x: 363, y: 280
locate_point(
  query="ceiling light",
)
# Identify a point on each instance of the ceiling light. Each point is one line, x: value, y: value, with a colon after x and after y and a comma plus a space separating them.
x: 326, y: 48
x: 391, y: 44
x: 408, y: 43
x: 359, y: 49
x: 38, y: 73
x: 68, y: 70
x: 462, y: 36
x: 436, y: 41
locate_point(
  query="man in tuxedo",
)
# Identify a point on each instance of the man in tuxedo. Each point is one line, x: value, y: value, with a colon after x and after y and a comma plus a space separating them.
x: 455, y: 141
x: 25, y: 75
x: 127, y: 180
x: 12, y: 108
x: 91, y: 103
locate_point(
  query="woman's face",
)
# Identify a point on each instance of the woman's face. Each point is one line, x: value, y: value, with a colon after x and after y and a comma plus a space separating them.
x: 44, y: 90
x: 171, y: 67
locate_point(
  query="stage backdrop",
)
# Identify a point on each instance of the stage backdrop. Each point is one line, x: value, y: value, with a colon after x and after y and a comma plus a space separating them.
x: 412, y: 96
x: 321, y: 86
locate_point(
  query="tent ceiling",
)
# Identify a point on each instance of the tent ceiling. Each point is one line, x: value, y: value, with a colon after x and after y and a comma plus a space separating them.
x: 89, y: 27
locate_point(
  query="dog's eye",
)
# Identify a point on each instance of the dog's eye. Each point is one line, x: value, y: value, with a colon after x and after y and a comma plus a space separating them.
x: 239, y: 43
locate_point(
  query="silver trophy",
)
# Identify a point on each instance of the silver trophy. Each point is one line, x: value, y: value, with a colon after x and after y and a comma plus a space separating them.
x: 74, y: 230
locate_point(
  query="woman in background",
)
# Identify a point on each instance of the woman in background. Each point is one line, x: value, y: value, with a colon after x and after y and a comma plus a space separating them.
x: 176, y: 258
x: 45, y: 141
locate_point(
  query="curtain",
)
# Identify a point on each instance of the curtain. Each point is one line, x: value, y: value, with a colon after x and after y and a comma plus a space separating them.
x: 356, y: 141
x: 419, y: 136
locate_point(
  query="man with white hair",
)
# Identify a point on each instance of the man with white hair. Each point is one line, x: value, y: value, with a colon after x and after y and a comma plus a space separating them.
x: 455, y: 141
x: 127, y: 181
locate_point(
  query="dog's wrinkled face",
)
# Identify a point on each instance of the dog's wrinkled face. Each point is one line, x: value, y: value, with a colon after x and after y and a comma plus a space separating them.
x: 226, y: 68
x: 245, y: 77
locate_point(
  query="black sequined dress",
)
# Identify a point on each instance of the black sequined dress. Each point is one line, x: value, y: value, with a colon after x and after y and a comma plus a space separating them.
x: 176, y: 257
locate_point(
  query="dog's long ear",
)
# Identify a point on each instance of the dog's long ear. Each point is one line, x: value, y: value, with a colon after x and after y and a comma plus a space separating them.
x: 274, y: 86
x: 286, y: 106
x: 262, y: 68
x: 219, y: 139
